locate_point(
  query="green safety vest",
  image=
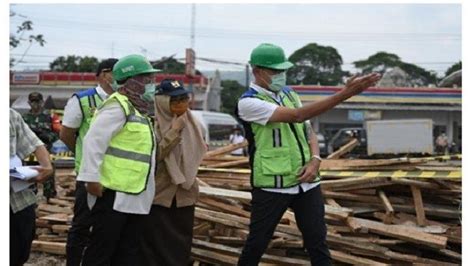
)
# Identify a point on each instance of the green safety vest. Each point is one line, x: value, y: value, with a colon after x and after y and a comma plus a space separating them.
x: 277, y: 150
x: 89, y: 101
x: 127, y: 161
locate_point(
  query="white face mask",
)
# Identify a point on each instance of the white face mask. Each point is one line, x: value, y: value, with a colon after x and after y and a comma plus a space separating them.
x: 277, y: 82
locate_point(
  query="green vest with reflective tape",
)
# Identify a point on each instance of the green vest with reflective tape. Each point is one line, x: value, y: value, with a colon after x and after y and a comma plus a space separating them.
x: 89, y: 100
x: 278, y: 150
x: 127, y: 161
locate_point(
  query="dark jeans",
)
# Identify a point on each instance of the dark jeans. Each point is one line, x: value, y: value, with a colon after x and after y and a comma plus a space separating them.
x: 22, y: 232
x: 114, y: 235
x: 78, y: 236
x: 266, y: 212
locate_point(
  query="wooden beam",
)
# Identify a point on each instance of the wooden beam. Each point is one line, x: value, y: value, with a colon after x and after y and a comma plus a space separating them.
x: 226, y: 149
x: 236, y: 252
x: 49, y: 247
x: 344, y: 149
x: 399, y: 232
x: 418, y: 201
x: 389, y: 212
x: 354, y: 260
x: 246, y: 197
x: 230, y: 164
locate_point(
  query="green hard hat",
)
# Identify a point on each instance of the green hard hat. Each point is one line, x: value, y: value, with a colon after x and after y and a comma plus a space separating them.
x: 269, y: 56
x: 132, y: 65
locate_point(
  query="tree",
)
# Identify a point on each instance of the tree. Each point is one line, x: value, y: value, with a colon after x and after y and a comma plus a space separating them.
x: 316, y: 64
x: 73, y: 63
x: 453, y: 68
x: 453, y: 76
x: 382, y: 62
x: 378, y: 62
x: 231, y: 91
x: 18, y: 37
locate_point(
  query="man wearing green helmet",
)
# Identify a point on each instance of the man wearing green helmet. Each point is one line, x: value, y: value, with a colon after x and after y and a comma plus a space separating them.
x: 118, y: 164
x: 284, y: 154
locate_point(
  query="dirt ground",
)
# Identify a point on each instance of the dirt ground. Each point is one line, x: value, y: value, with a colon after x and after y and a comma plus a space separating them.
x: 44, y: 259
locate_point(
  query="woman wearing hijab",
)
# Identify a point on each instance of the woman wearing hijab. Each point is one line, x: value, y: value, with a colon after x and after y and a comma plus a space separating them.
x: 168, y: 229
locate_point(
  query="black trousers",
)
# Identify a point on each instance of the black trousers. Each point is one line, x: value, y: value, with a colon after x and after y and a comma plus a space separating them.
x: 78, y: 236
x: 167, y: 236
x: 22, y: 232
x: 114, y: 236
x: 266, y: 212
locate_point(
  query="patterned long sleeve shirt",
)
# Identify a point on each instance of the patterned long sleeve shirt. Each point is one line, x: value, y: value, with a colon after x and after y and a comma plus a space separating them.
x: 22, y: 143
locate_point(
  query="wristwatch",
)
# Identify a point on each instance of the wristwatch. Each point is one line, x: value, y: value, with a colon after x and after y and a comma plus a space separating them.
x: 317, y: 157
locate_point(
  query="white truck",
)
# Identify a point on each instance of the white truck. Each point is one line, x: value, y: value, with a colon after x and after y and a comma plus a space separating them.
x: 399, y: 136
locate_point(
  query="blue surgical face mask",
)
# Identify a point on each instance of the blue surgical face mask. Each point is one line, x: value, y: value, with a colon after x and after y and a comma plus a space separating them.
x: 149, y: 94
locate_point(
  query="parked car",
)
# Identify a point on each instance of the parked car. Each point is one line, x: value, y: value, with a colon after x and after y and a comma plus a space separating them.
x: 216, y: 127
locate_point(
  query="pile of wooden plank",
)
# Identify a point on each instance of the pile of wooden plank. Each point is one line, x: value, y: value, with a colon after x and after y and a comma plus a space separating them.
x: 378, y: 212
x: 364, y: 227
x: 54, y: 217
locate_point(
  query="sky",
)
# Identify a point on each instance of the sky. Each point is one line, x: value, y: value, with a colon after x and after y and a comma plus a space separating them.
x: 428, y: 35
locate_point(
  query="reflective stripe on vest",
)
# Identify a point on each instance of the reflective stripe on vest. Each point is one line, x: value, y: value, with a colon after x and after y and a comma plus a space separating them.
x: 127, y: 161
x: 128, y: 155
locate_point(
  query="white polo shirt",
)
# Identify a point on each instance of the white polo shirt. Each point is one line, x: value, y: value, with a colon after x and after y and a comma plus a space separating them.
x: 259, y: 111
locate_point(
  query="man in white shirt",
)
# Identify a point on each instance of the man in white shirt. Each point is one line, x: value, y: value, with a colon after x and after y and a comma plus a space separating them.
x: 76, y: 121
x: 118, y: 166
x: 284, y: 154
x: 236, y: 138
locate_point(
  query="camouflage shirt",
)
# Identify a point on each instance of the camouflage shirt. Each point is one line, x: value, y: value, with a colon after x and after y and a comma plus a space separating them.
x: 41, y: 125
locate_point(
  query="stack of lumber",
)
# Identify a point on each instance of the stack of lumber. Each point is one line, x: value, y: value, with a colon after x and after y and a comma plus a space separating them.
x: 53, y: 218
x: 365, y: 227
x: 378, y: 212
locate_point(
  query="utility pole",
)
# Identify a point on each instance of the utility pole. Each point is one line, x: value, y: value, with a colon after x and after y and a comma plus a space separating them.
x: 193, y: 23
x: 247, y: 76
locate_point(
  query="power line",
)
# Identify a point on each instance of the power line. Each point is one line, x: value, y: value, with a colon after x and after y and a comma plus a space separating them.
x: 113, y: 24
x: 223, y: 32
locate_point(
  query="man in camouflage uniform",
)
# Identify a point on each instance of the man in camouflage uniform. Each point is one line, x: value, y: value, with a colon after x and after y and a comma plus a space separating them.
x: 40, y: 122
